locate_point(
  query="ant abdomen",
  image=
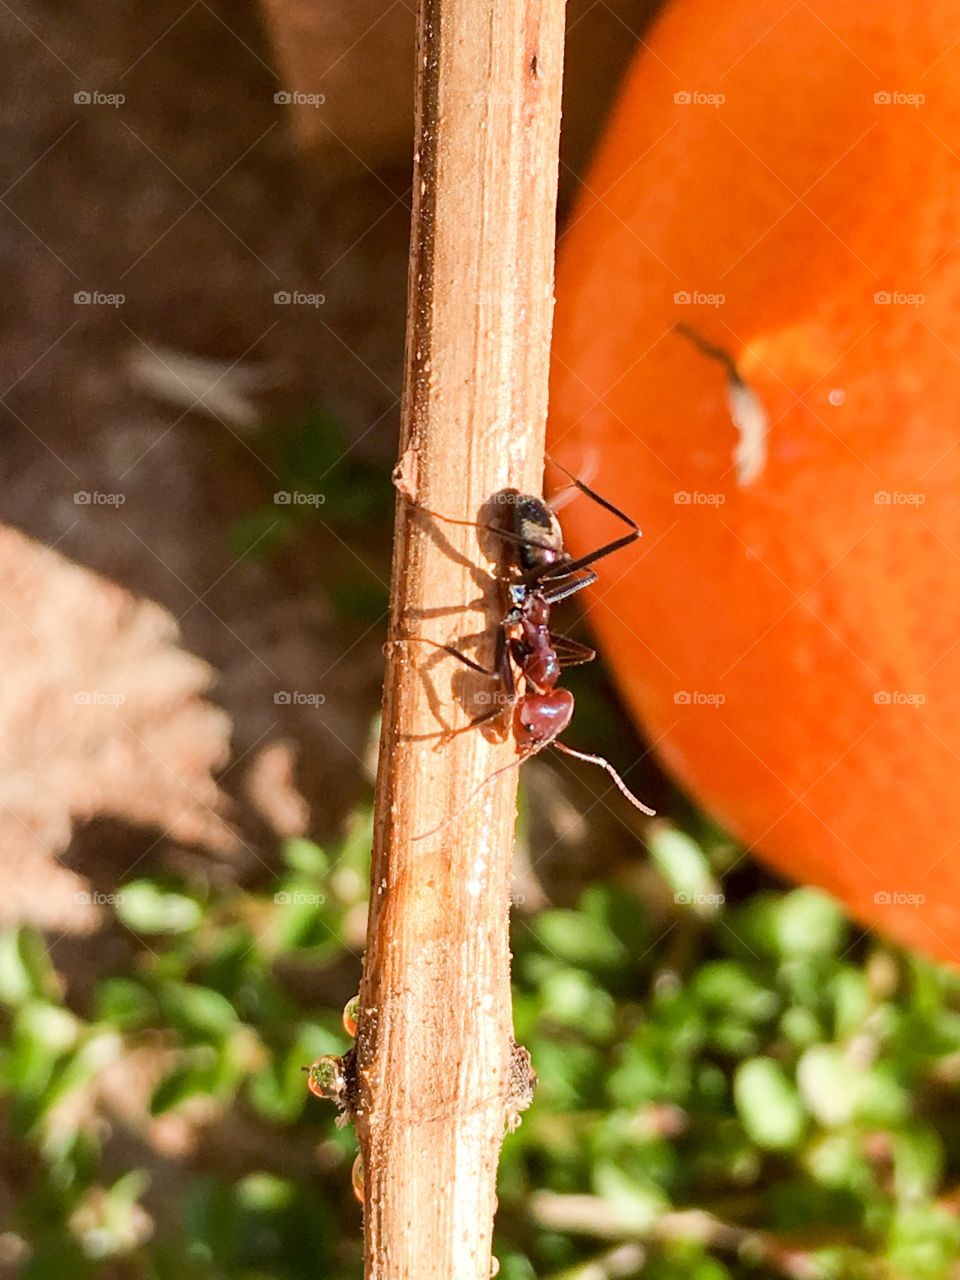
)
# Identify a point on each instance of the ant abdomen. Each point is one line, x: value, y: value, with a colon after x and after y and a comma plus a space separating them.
x: 541, y: 717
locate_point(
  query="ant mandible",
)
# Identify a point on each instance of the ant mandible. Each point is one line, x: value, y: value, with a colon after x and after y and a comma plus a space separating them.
x: 537, y: 575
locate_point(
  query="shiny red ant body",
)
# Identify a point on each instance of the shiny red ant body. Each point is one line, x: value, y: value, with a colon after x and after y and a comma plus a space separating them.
x: 539, y: 574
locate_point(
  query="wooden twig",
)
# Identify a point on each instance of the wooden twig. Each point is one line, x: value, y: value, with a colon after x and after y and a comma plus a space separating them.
x: 434, y: 1048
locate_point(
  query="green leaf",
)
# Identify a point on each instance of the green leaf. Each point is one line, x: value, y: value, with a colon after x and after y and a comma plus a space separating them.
x: 769, y: 1105
x: 186, y: 1080
x: 724, y: 986
x: 830, y: 1084
x: 125, y: 1003
x: 637, y: 1203
x: 685, y: 869
x: 306, y: 857
x: 579, y: 939
x: 808, y: 922
x: 26, y: 971
x: 571, y: 998
x: 197, y: 1011
x: 145, y: 908
x: 918, y: 1159
x: 924, y: 1242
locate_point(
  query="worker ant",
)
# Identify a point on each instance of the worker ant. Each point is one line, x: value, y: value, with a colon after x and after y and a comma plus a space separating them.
x: 537, y: 573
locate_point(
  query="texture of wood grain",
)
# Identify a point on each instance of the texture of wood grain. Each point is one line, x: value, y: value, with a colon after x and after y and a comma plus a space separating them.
x: 435, y: 1038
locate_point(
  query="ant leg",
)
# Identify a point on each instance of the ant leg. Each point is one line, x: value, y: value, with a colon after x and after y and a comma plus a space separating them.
x: 455, y: 653
x: 506, y: 534
x: 501, y: 669
x: 449, y: 734
x: 571, y: 653
x: 572, y: 566
x: 566, y: 589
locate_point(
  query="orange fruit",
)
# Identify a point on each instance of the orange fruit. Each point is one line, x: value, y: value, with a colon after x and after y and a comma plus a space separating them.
x: 788, y: 183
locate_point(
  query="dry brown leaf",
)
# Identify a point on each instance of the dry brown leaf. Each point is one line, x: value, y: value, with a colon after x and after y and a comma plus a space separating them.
x: 101, y: 714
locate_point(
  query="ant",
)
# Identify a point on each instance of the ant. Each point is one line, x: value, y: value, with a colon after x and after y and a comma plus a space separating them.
x: 537, y: 574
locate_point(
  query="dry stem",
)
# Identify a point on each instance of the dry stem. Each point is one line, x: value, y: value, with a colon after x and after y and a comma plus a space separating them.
x: 434, y: 1045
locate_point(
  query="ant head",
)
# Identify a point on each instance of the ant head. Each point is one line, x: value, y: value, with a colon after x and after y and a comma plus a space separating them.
x: 537, y: 526
x: 541, y: 717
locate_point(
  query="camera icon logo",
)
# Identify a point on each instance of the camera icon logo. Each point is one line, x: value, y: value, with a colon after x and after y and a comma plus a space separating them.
x: 882, y: 98
x: 283, y: 98
x: 281, y: 298
x: 282, y: 498
x: 683, y: 98
x: 82, y: 298
x: 681, y: 698
x: 682, y: 298
x: 282, y: 698
x: 82, y: 98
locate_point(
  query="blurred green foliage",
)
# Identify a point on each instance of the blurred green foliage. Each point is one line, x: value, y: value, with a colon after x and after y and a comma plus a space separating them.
x: 728, y: 1088
x: 310, y: 456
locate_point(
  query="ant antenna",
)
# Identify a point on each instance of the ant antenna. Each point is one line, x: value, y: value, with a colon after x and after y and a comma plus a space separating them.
x: 563, y: 497
x: 605, y: 764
